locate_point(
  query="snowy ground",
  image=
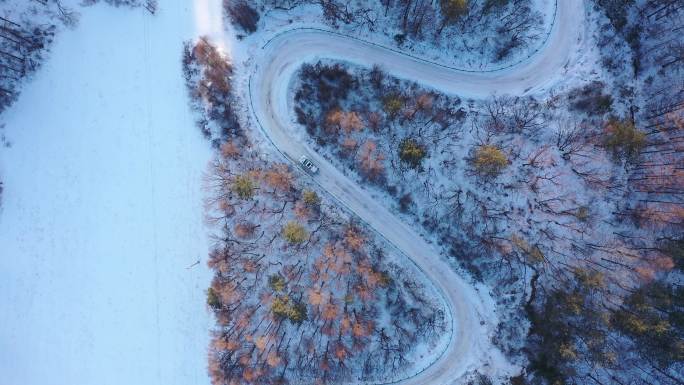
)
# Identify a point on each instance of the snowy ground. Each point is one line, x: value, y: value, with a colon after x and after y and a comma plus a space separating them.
x: 101, y: 214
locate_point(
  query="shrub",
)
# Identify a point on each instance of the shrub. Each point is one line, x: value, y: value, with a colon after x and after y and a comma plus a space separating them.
x: 583, y: 213
x: 243, y: 186
x: 377, y: 77
x: 276, y: 282
x: 371, y: 161
x: 310, y: 198
x: 244, y: 229
x: 532, y: 253
x: 337, y: 119
x: 243, y: 15
x: 674, y: 248
x: 483, y: 380
x: 490, y: 5
x: 297, y: 313
x: 281, y: 306
x: 294, y: 233
x: 616, y: 11
x: 405, y: 202
x: 392, y: 104
x: 623, y: 138
x: 384, y: 279
x: 284, y: 307
x: 489, y: 161
x: 400, y: 38
x: 589, y: 278
x: 453, y: 9
x: 564, y: 325
x: 213, y: 299
x: 591, y: 99
x: 329, y: 83
x: 411, y: 152
x: 652, y: 316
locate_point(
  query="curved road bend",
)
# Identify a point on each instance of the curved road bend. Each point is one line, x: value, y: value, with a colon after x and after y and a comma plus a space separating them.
x: 470, y: 347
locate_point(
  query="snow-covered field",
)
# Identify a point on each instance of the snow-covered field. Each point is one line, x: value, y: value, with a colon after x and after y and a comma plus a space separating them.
x: 101, y: 215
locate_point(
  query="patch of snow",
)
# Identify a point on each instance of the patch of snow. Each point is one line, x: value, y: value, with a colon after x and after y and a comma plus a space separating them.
x: 101, y: 224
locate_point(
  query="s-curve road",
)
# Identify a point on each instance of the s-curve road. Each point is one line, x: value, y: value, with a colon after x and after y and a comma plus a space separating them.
x: 473, y: 318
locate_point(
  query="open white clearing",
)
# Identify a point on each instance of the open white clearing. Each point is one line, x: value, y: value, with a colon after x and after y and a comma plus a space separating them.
x: 102, y: 210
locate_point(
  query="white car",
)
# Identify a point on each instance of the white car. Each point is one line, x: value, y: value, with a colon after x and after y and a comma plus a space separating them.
x: 307, y: 164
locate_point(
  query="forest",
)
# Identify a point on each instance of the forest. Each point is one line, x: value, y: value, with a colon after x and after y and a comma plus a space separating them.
x: 301, y: 289
x: 568, y: 206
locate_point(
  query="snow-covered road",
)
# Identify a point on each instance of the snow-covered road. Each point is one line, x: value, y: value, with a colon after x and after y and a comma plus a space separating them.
x: 471, y: 309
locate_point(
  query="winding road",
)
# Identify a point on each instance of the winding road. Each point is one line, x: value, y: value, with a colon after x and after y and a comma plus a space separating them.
x: 472, y: 313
